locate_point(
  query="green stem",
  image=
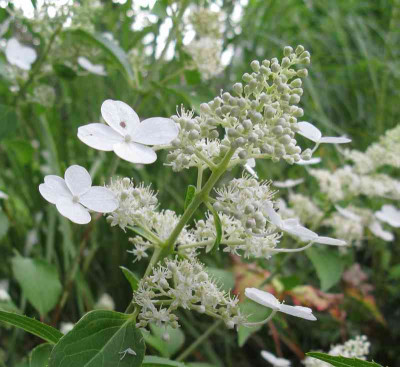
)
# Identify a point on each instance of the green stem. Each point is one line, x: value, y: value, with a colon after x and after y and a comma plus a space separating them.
x: 199, y: 177
x: 199, y: 341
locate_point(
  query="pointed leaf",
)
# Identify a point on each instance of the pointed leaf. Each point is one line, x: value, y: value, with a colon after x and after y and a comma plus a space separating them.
x: 218, y: 228
x: 131, y: 277
x: 190, y: 193
x: 153, y: 361
x: 40, y: 355
x: 338, y: 361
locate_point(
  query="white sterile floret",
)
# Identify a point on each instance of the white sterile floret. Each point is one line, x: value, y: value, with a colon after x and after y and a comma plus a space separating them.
x: 19, y: 55
x: 126, y: 135
x: 288, y: 183
x: 311, y: 161
x: 74, y: 195
x: 269, y: 300
x: 93, y: 68
x: 309, y: 131
x: 376, y: 228
x: 275, y: 361
x: 348, y: 214
x: 389, y: 214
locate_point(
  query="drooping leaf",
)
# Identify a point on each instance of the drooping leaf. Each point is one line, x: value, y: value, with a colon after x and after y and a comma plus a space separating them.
x: 39, y: 282
x: 9, y: 121
x: 153, y: 361
x: 190, y: 193
x: 131, y: 277
x: 338, y: 361
x: 111, y: 339
x: 32, y: 326
x: 328, y: 265
x: 167, y: 348
x: 218, y: 229
x: 40, y: 355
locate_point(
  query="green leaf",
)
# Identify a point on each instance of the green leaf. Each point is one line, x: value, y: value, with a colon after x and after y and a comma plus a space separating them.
x: 32, y: 326
x: 111, y: 48
x: 4, y: 224
x: 140, y: 232
x: 22, y: 149
x: 99, y: 339
x: 190, y: 193
x: 328, y: 264
x: 218, y: 228
x: 39, y: 282
x: 338, y: 361
x: 166, y: 348
x: 199, y: 364
x: 9, y: 121
x: 131, y: 277
x: 223, y: 277
x: 40, y: 355
x: 153, y: 361
x: 64, y: 71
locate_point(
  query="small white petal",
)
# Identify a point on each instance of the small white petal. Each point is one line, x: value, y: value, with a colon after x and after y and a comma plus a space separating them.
x: 288, y: 183
x: 57, y: 186
x: 99, y: 199
x: 348, y: 214
x: 19, y: 55
x: 77, y: 179
x: 377, y: 230
x: 121, y: 117
x: 135, y: 153
x: 99, y: 136
x: 263, y: 298
x: 330, y: 241
x: 75, y: 212
x: 315, y: 160
x: 3, y: 195
x: 390, y: 215
x: 309, y: 131
x: 155, y: 131
x: 275, y: 361
x: 299, y: 231
x: 251, y: 162
x: 273, y: 216
x: 48, y: 193
x: 334, y: 140
x: 93, y: 68
x: 298, y: 311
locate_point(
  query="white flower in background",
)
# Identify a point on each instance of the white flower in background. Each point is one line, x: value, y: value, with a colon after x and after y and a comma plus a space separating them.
x: 309, y: 131
x: 275, y: 361
x: 311, y: 161
x: 269, y: 300
x: 249, y: 167
x: 376, y: 228
x: 19, y: 55
x: 348, y: 214
x: 66, y: 327
x: 105, y: 302
x: 390, y: 215
x: 93, y: 68
x: 126, y: 135
x: 3, y: 195
x: 4, y: 296
x: 74, y: 195
x: 288, y: 183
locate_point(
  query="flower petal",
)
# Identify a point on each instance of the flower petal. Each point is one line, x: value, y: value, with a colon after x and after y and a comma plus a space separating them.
x: 155, y: 131
x: 298, y: 311
x: 377, y: 229
x: 302, y: 162
x: 275, y: 361
x: 99, y: 199
x: 309, y: 131
x: 263, y: 298
x: 273, y: 216
x: 57, y: 185
x: 135, y: 153
x: 78, y: 180
x: 75, y: 212
x: 297, y: 230
x: 99, y: 136
x: 121, y: 117
x: 348, y: 214
x: 390, y: 215
x: 288, y: 183
x: 19, y: 55
x: 93, y: 68
x: 335, y: 140
x: 330, y: 241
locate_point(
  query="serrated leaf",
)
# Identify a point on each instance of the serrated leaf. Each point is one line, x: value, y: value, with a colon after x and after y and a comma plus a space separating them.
x: 31, y: 326
x: 166, y: 348
x: 131, y: 277
x: 218, y: 229
x: 190, y: 193
x: 328, y: 265
x: 40, y: 355
x: 153, y: 361
x: 39, y: 282
x: 338, y: 361
x: 101, y: 338
x: 111, y: 48
x: 9, y: 121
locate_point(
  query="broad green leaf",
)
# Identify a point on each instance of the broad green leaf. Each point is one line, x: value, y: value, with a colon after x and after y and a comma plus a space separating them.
x: 190, y: 193
x: 39, y: 282
x: 40, y: 355
x: 338, y: 361
x: 218, y: 228
x: 4, y: 224
x: 32, y: 326
x: 100, y: 339
x: 223, y: 277
x: 200, y: 364
x: 111, y: 48
x: 9, y: 121
x: 153, y: 361
x: 131, y: 277
x: 328, y: 264
x: 166, y: 348
x: 255, y: 313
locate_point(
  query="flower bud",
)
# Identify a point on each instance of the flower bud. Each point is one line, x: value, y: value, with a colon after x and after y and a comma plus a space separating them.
x: 302, y: 73
x: 287, y: 51
x: 238, y: 88
x: 205, y: 108
x: 285, y: 62
x: 299, y: 49
x: 255, y: 65
x: 247, y: 78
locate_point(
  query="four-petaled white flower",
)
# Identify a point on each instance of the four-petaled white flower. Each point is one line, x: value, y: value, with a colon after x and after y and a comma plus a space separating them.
x: 93, y: 68
x: 75, y: 195
x: 269, y: 300
x: 309, y: 131
x: 126, y: 135
x: 20, y: 55
x: 275, y: 361
x: 288, y: 183
x: 390, y: 215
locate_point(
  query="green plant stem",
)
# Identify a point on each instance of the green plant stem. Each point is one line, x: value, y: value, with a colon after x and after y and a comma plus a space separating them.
x: 199, y: 177
x: 200, y: 340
